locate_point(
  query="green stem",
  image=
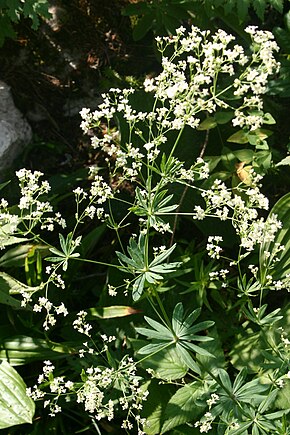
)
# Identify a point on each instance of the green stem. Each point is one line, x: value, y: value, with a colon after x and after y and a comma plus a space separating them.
x: 161, y: 306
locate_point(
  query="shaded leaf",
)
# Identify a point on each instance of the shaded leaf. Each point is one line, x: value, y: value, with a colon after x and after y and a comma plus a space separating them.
x: 184, y: 406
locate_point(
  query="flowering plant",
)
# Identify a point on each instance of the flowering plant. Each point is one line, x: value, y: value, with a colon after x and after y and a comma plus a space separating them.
x: 144, y: 193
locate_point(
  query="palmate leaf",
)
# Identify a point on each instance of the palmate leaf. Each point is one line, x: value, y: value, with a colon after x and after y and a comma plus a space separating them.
x: 163, y: 330
x: 171, y: 334
x: 136, y: 264
x: 161, y: 257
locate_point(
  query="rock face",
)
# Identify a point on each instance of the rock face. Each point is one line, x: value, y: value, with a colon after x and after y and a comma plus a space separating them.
x: 15, y: 132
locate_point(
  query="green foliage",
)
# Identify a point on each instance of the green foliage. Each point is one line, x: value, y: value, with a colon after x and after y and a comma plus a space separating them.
x: 137, y: 263
x: 11, y: 12
x: 241, y: 7
x: 178, y: 334
x: 175, y: 227
x: 15, y: 406
x: 164, y: 16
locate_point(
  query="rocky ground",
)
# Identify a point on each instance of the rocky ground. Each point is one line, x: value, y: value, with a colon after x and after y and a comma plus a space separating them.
x: 53, y: 72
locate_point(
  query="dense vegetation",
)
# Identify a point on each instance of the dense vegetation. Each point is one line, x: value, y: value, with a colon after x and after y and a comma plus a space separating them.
x: 145, y: 231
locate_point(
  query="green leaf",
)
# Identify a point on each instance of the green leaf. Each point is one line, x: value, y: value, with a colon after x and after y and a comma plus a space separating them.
x: 22, y: 349
x: 15, y: 257
x: 268, y: 119
x: 9, y: 285
x: 163, y: 330
x: 260, y: 7
x: 284, y: 162
x: 15, y: 406
x: 161, y: 257
x: 138, y: 287
x: 111, y: 312
x: 143, y: 26
x: 166, y: 363
x: 153, y: 348
x: 136, y: 9
x: 153, y: 409
x: 184, y: 406
x: 223, y: 117
x: 187, y: 359
x: 6, y: 29
x: 239, y: 137
x: 207, y: 124
x: 278, y: 5
x: 242, y: 8
x: 244, y: 155
x: 214, y: 347
x: 283, y: 399
x: 282, y: 267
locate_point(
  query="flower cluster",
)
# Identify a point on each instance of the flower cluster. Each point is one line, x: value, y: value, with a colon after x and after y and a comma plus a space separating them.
x: 222, y: 203
x: 94, y: 392
x: 32, y: 209
x: 51, y: 311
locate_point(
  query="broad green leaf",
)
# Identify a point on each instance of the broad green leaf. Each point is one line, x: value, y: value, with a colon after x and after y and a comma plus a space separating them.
x: 282, y: 267
x: 214, y: 347
x: 260, y: 7
x: 246, y: 352
x: 184, y: 406
x: 166, y: 363
x: 268, y: 118
x: 11, y: 286
x: 22, y: 349
x: 223, y: 117
x: 111, y: 312
x: 283, y: 398
x: 14, y: 286
x: 15, y: 406
x: 239, y: 137
x: 143, y: 26
x: 244, y: 155
x: 242, y: 8
x: 207, y: 124
x: 153, y: 409
x: 16, y: 256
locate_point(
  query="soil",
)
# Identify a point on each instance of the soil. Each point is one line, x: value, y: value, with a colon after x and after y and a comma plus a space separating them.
x: 65, y: 65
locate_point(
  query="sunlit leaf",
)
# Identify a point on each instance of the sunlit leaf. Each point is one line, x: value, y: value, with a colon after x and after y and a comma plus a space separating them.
x: 15, y: 406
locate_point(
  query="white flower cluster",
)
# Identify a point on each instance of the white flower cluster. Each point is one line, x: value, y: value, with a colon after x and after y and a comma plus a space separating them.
x: 33, y: 209
x: 50, y: 317
x: 81, y: 325
x: 205, y: 424
x: 222, y: 203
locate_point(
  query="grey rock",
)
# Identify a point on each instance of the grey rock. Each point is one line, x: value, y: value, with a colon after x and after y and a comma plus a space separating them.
x: 15, y: 132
